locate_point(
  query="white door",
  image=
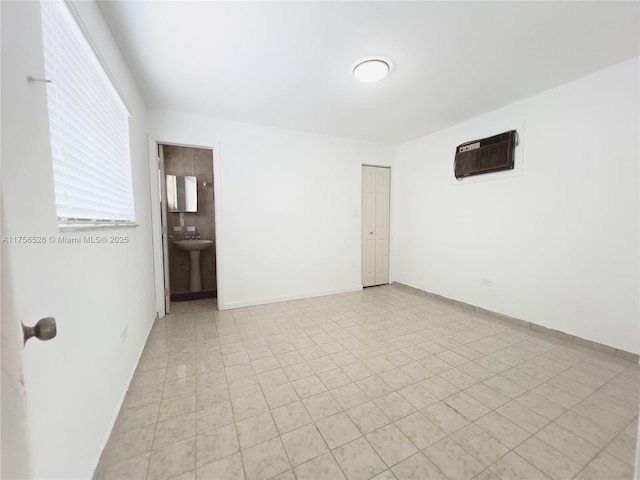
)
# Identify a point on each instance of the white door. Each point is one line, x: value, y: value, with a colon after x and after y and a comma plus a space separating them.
x: 375, y: 225
x: 165, y: 239
x: 159, y: 217
x: 14, y: 451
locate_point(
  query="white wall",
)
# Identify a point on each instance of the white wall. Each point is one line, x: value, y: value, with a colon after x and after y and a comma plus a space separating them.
x: 75, y: 382
x: 287, y: 206
x: 559, y: 241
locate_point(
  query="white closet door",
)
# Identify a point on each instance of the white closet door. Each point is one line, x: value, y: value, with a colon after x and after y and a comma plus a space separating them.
x: 375, y: 226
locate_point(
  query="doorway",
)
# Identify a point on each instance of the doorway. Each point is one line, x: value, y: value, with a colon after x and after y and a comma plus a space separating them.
x: 375, y: 225
x: 186, y: 257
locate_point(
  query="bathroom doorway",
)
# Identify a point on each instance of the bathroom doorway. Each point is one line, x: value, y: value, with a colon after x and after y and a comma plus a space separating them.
x: 186, y: 213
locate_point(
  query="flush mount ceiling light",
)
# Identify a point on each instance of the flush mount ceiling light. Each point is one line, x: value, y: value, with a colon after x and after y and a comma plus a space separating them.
x: 371, y: 70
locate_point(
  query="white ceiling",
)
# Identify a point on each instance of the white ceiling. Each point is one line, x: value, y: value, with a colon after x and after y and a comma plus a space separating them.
x: 288, y: 64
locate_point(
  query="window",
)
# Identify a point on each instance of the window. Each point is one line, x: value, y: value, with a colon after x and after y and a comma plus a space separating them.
x: 89, y: 127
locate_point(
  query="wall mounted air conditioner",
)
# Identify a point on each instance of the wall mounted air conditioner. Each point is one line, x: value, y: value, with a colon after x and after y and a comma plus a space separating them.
x: 490, y: 154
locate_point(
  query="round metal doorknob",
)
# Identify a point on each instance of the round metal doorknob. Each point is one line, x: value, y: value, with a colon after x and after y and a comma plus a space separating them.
x: 45, y: 329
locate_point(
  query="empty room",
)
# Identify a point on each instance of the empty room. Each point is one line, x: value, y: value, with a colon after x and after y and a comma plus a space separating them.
x: 320, y: 240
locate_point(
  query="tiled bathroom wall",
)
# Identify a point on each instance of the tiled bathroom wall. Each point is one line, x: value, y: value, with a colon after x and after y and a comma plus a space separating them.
x: 199, y: 162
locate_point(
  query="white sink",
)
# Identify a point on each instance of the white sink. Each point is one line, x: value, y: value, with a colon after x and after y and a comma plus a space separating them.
x: 194, y: 247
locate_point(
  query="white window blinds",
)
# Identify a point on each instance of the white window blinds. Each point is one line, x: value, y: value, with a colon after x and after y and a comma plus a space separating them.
x: 89, y: 128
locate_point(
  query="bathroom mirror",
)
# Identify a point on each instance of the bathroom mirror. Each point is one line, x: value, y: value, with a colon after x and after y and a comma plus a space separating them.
x: 182, y: 193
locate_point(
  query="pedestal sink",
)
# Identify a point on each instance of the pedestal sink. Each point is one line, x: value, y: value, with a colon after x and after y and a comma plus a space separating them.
x: 194, y: 247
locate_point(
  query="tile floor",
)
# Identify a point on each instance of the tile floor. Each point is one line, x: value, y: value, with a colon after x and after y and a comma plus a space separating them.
x: 383, y: 384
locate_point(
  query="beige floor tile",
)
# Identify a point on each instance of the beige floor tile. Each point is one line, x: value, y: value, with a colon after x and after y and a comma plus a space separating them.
x: 394, y: 406
x: 354, y: 360
x: 623, y: 447
x: 334, y: 378
x: 547, y: 459
x: 256, y: 429
x: 244, y: 386
x: 480, y: 444
x: 391, y: 444
x: 467, y: 405
x: 216, y: 444
x: 320, y: 406
x: 211, y: 394
x: 444, y: 417
x: 309, y: 386
x: 567, y: 443
x: 265, y: 460
x: 439, y: 387
x: 396, y: 378
x: 421, y: 431
x: 265, y: 364
x: 349, y: 395
x: 586, y: 428
x: 554, y: 393
x: 505, y: 386
x: 280, y: 395
x: 541, y: 405
x: 418, y: 396
x: 137, y: 417
x: 290, y: 416
x: 228, y: 468
x: 131, y: 469
x: 374, y: 387
x: 173, y: 460
x: 503, y: 429
x: 297, y: 371
x: 236, y: 372
x: 248, y: 406
x: 487, y: 395
x: 146, y: 377
x: 174, y: 430
x: 386, y: 475
x: 303, y: 444
x: 357, y: 371
x: 337, y: 429
x: 143, y: 395
x: 459, y: 378
x: 606, y: 466
x: 522, y: 416
x: 600, y: 415
x: 288, y: 475
x: 417, y: 467
x: 368, y: 417
x: 358, y: 460
x: 323, y: 467
x: 343, y: 358
x: 416, y: 371
x: 216, y: 416
x: 127, y: 444
x: 180, y: 386
x: 322, y: 364
x: 272, y: 378
x: 452, y: 460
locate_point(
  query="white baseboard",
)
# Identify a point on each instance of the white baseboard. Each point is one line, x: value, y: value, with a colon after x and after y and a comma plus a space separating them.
x: 285, y: 298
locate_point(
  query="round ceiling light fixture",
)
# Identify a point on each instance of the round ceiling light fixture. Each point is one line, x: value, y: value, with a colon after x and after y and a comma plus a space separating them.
x: 371, y: 70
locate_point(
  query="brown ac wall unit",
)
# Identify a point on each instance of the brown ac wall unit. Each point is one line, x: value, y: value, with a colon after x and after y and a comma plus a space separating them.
x: 490, y: 154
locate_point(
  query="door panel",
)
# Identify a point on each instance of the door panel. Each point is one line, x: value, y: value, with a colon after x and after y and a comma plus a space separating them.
x: 14, y: 442
x: 375, y: 225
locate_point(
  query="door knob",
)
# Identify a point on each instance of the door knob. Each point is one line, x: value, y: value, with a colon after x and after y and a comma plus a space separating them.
x: 45, y: 329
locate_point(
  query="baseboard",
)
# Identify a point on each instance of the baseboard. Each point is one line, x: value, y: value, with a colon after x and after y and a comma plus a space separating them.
x: 287, y: 298
x: 600, y: 347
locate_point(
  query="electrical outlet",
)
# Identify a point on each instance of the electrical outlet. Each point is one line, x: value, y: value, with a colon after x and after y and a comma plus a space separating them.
x: 123, y: 334
x: 487, y: 282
